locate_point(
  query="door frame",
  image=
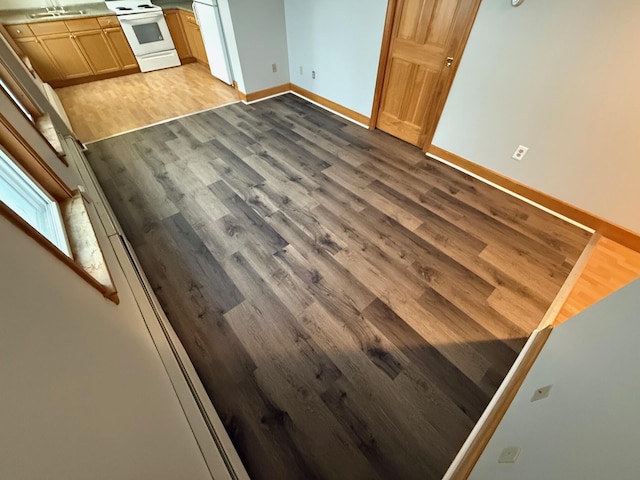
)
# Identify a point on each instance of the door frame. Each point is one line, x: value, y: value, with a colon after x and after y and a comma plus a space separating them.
x: 443, y: 86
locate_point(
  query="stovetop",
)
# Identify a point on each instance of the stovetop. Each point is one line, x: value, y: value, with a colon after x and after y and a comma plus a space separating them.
x: 128, y: 7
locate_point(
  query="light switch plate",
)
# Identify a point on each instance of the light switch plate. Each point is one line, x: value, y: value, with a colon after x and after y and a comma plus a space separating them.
x: 509, y: 455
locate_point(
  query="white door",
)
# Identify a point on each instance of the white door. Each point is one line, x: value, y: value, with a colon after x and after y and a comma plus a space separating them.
x: 208, y: 17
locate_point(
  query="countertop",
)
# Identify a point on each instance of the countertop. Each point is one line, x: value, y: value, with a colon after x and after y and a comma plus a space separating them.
x: 98, y: 9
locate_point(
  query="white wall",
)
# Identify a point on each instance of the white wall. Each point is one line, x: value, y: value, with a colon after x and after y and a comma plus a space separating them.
x: 589, y: 426
x: 83, y: 391
x: 339, y: 40
x: 84, y: 394
x: 260, y: 40
x: 560, y: 77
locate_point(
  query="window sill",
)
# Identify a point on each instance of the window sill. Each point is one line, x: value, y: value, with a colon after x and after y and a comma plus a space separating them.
x: 88, y: 261
x: 84, y: 245
x: 48, y: 131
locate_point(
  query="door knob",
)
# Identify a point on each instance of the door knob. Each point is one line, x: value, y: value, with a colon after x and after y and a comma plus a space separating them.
x: 449, y: 61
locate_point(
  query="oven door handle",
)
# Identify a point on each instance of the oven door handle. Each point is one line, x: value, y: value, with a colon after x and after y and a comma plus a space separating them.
x: 139, y: 19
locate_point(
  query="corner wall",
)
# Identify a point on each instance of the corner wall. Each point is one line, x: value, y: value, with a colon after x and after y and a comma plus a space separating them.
x: 341, y: 41
x: 589, y: 426
x: 562, y: 79
x: 260, y: 40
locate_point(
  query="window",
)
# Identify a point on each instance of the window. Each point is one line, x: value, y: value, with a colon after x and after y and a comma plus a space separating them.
x: 34, y: 198
x: 26, y: 198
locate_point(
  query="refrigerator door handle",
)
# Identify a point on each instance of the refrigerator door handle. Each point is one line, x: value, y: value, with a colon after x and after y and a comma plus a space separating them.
x: 195, y: 13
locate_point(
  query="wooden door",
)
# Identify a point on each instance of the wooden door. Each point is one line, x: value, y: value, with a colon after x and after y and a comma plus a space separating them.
x: 427, y: 39
x: 97, y: 51
x: 120, y: 45
x: 40, y: 58
x: 69, y: 58
x: 174, y: 22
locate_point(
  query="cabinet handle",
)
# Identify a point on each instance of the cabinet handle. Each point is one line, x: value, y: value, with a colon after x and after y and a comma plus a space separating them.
x: 18, y: 31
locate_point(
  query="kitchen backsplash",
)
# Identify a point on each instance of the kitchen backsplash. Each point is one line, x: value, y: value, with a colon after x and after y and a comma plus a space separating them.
x: 24, y: 4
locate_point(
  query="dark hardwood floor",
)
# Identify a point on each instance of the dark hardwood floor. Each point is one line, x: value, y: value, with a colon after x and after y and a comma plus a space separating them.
x: 350, y: 305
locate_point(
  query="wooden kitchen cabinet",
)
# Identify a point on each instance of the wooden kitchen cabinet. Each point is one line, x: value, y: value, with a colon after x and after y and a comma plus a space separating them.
x: 120, y: 46
x: 174, y: 22
x: 40, y: 59
x: 194, y: 37
x: 97, y: 51
x: 64, y: 50
x: 19, y: 31
x: 72, y: 51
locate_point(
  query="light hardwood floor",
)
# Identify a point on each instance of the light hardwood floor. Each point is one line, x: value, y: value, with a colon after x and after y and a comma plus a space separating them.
x: 611, y: 266
x: 350, y: 305
x: 108, y: 107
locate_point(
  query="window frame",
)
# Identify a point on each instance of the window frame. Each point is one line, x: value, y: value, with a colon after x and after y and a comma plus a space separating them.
x: 32, y: 202
x: 88, y: 262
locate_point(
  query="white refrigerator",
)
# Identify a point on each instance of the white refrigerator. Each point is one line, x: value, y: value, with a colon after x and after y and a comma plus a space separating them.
x: 208, y: 17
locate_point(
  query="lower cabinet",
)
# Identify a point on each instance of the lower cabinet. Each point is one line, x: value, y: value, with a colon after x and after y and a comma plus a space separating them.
x: 40, y: 59
x: 65, y: 52
x: 194, y: 37
x: 174, y: 22
x: 120, y: 46
x: 97, y: 51
x: 75, y: 49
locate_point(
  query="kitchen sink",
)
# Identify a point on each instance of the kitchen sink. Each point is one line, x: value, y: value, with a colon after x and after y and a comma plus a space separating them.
x: 58, y: 13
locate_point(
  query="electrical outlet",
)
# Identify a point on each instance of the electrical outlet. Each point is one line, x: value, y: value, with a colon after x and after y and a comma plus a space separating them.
x: 274, y: 67
x: 520, y: 152
x: 301, y: 71
x: 540, y: 393
x: 509, y: 455
x: 313, y: 74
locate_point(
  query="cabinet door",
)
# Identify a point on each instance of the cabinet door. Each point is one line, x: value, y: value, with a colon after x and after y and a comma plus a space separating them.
x: 97, y: 51
x: 68, y: 57
x: 195, y: 42
x: 174, y: 22
x: 40, y: 58
x: 120, y: 45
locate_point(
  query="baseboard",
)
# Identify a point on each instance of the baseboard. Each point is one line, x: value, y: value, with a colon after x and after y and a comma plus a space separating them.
x: 570, y: 282
x: 479, y: 437
x: 262, y: 94
x: 605, y: 228
x: 331, y: 105
x: 93, y: 78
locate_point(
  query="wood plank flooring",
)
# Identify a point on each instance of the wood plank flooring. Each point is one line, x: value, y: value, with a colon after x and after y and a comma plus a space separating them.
x: 610, y: 267
x: 350, y: 305
x: 109, y: 107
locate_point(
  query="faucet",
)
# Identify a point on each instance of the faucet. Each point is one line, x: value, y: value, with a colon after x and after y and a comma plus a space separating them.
x: 54, y: 8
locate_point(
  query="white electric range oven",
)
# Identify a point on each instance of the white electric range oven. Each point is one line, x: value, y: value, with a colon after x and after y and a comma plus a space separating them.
x: 147, y: 32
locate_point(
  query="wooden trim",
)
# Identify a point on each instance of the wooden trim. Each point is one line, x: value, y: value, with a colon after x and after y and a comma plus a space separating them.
x: 325, y: 102
x: 18, y: 221
x: 446, y: 77
x: 9, y: 39
x: 477, y: 441
x: 607, y: 229
x: 569, y: 283
x: 242, y: 96
x: 267, y: 92
x: 23, y: 153
x: 92, y: 78
x: 382, y: 63
x: 18, y: 90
